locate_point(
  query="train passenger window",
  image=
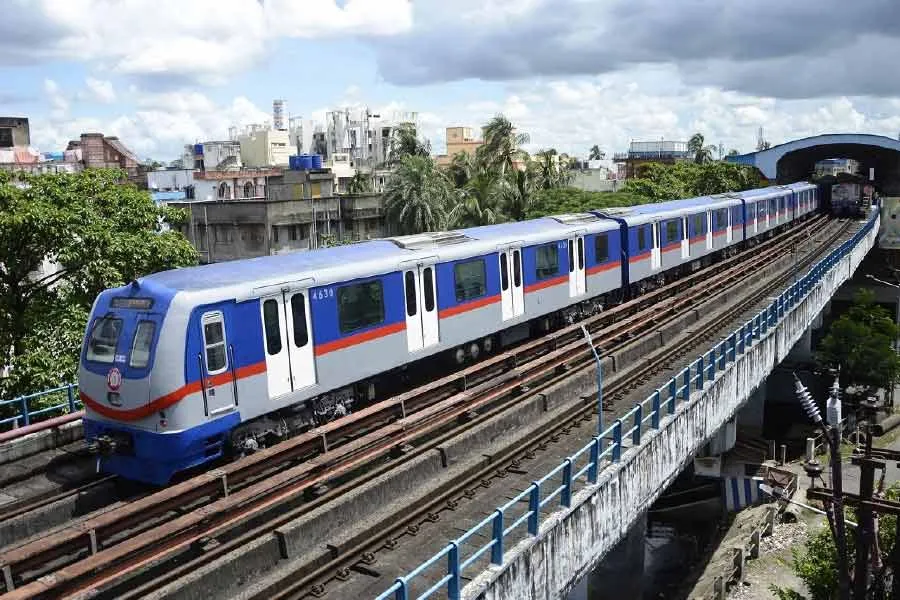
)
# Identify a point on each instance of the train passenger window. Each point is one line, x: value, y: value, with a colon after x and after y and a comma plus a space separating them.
x: 580, y: 254
x: 504, y: 272
x: 641, y: 238
x: 601, y: 248
x: 470, y: 279
x: 672, y: 231
x: 410, y: 285
x: 360, y: 305
x: 428, y: 282
x: 546, y: 260
x: 699, y: 224
x: 517, y: 268
x: 722, y: 218
x: 140, y: 345
x: 298, y: 314
x: 214, y: 342
x: 272, y: 326
x: 571, y: 257
x: 104, y: 337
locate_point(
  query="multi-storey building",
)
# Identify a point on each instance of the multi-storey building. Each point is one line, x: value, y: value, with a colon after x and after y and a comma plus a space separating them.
x: 642, y: 153
x: 264, y: 147
x: 14, y: 131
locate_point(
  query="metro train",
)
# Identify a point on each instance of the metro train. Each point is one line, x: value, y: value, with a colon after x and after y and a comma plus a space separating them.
x: 183, y: 367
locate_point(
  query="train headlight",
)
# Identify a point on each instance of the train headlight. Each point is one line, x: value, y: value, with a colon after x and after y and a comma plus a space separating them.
x: 113, y: 398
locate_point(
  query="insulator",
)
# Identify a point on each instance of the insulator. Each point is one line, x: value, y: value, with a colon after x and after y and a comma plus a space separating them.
x: 806, y: 399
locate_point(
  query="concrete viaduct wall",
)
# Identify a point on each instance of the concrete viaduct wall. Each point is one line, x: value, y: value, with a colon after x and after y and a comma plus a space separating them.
x: 572, y: 542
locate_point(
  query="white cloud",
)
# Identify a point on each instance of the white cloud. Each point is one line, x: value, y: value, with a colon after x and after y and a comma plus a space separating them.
x: 59, y: 104
x: 205, y: 41
x: 100, y: 90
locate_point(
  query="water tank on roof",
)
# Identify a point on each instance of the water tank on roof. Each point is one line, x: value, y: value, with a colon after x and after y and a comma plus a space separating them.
x: 198, y: 148
x: 294, y: 162
x: 306, y: 162
x: 316, y: 161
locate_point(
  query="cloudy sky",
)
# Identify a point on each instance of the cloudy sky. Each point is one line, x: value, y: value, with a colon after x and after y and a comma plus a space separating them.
x: 572, y: 73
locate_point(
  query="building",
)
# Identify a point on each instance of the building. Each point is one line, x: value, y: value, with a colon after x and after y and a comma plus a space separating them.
x: 596, y: 176
x: 459, y: 139
x: 222, y: 186
x: 262, y: 147
x: 239, y: 229
x: 223, y: 155
x: 14, y: 132
x: 834, y: 166
x: 106, y: 152
x: 302, y: 184
x: 642, y: 153
x: 363, y: 135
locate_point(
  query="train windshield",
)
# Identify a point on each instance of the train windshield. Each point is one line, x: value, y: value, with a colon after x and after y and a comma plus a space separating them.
x: 103, y: 339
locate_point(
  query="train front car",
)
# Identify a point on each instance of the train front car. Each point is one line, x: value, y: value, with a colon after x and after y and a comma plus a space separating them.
x: 131, y: 376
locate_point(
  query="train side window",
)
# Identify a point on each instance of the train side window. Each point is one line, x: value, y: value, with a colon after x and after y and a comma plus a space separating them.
x: 504, y: 272
x: 360, y: 305
x: 699, y: 224
x: 672, y: 231
x: 104, y: 337
x: 722, y: 218
x: 410, y: 284
x: 641, y: 238
x: 470, y: 279
x: 546, y: 261
x: 272, y: 326
x: 580, y: 254
x: 601, y: 248
x: 428, y: 282
x: 214, y: 342
x: 140, y: 345
x: 298, y: 314
x: 571, y: 257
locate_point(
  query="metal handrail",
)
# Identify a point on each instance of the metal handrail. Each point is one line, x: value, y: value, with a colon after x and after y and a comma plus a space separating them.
x: 25, y: 416
x: 663, y: 403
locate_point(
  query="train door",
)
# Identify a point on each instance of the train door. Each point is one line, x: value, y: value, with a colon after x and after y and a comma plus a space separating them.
x: 709, y: 230
x: 300, y: 343
x: 685, y: 239
x: 512, y: 294
x: 729, y: 236
x: 655, y: 255
x: 217, y: 359
x: 422, y: 328
x: 577, y: 274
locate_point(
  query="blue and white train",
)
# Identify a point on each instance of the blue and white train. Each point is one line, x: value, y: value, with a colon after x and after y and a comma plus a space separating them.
x: 182, y: 366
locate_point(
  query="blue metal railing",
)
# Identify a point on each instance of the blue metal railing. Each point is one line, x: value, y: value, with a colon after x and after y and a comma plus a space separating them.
x: 606, y: 448
x: 26, y: 415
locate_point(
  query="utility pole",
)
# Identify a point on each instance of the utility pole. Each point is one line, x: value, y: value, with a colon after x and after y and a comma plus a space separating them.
x: 866, y: 532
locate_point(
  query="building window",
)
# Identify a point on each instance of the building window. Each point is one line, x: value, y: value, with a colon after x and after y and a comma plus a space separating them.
x: 223, y: 191
x: 360, y: 305
x: 292, y: 232
x: 248, y: 190
x: 6, y: 137
x: 546, y: 260
x: 275, y: 233
x: 601, y: 248
x: 470, y: 279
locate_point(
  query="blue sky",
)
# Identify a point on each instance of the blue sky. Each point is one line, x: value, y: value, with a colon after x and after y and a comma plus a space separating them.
x: 572, y: 73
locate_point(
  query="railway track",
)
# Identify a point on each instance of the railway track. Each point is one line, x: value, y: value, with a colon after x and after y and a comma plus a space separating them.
x: 314, y: 581
x: 108, y: 548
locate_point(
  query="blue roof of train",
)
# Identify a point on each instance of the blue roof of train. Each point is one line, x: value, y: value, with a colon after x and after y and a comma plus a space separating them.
x: 511, y: 230
x: 264, y: 267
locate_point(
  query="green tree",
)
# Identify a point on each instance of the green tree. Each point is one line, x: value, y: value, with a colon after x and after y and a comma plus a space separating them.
x: 481, y: 201
x: 461, y: 169
x: 418, y: 196
x: 361, y: 183
x: 860, y: 342
x: 702, y: 154
x: 405, y: 142
x: 732, y: 152
x: 501, y: 144
x: 99, y: 231
x: 558, y: 201
x: 659, y: 182
x: 596, y: 153
x: 517, y: 195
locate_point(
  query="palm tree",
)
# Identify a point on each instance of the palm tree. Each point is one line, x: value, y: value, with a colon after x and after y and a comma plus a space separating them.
x: 596, y: 153
x: 461, y: 169
x: 405, y: 142
x: 516, y: 194
x: 481, y: 201
x: 501, y: 144
x: 546, y: 169
x: 418, y: 196
x: 702, y: 154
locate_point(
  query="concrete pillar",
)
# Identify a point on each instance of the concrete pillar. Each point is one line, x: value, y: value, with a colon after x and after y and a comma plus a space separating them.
x: 621, y: 573
x: 802, y: 350
x: 724, y: 439
x: 752, y: 414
